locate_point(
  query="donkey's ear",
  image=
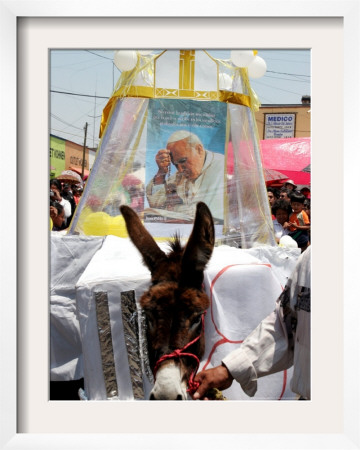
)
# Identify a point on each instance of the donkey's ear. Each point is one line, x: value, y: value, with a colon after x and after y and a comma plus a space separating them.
x: 199, y: 248
x: 142, y: 239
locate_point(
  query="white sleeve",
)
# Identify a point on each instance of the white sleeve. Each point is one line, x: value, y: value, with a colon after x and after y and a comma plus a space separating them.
x: 67, y: 207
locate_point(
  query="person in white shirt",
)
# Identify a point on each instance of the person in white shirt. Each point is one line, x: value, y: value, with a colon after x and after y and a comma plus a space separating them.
x: 280, y: 341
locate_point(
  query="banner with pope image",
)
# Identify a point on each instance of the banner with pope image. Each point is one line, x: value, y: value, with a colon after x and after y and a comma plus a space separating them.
x: 185, y: 156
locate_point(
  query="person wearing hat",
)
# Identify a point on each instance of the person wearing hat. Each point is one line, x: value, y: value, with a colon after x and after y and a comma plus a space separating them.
x: 199, y: 177
x: 289, y: 184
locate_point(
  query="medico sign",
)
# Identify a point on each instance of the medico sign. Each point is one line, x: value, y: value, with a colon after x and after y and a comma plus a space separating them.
x: 279, y: 125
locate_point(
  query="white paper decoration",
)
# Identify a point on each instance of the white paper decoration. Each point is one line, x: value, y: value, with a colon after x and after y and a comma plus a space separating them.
x: 125, y: 59
x: 242, y: 58
x: 257, y: 68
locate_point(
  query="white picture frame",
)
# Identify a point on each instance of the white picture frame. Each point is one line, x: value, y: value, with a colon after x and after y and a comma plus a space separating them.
x: 24, y: 253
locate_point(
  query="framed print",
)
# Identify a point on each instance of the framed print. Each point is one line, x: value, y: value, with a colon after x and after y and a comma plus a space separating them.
x: 29, y: 420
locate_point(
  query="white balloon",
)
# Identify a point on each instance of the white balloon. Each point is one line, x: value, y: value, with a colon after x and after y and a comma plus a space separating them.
x: 257, y: 68
x: 242, y: 58
x: 125, y: 59
x: 225, y: 81
x: 145, y: 52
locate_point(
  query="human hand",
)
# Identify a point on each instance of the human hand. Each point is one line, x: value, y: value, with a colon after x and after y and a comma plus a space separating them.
x: 163, y: 160
x: 294, y: 224
x: 218, y: 377
x: 53, y: 212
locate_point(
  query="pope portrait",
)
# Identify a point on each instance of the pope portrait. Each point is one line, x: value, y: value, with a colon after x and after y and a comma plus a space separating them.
x: 199, y: 176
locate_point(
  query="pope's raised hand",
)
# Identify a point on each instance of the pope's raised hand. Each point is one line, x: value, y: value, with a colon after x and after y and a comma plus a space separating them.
x: 163, y: 160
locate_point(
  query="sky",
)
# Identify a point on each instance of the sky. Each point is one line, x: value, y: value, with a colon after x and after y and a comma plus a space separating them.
x: 82, y: 81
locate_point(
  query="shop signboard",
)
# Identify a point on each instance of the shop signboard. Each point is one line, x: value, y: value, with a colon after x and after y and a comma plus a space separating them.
x: 279, y: 125
x: 74, y: 156
x: 57, y: 155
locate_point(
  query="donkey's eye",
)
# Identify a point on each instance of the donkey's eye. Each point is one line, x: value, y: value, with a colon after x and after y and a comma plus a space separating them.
x: 196, y: 321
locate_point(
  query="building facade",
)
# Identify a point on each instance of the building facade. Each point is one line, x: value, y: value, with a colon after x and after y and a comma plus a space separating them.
x: 66, y: 155
x: 284, y: 121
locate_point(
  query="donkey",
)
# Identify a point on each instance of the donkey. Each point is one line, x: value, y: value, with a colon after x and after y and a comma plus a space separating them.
x: 175, y: 303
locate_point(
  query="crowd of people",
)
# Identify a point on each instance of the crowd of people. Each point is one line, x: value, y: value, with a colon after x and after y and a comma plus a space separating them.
x: 290, y: 210
x: 64, y: 198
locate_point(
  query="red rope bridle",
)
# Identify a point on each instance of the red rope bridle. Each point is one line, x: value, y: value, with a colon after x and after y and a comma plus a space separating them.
x: 193, y: 385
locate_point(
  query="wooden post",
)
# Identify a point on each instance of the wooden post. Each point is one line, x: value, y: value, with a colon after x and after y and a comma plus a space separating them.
x: 83, y: 159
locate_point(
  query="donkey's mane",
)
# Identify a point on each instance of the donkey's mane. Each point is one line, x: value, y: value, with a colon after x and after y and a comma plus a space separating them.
x: 175, y: 244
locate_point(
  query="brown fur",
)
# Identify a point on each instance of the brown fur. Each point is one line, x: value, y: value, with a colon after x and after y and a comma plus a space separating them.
x: 175, y: 301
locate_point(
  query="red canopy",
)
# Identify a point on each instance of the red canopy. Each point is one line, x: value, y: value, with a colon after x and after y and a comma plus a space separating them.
x: 291, y: 157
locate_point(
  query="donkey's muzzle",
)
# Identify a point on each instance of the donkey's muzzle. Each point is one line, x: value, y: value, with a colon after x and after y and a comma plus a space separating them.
x: 170, y: 383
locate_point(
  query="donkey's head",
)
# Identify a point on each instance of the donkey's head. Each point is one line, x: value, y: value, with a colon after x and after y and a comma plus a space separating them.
x: 175, y: 303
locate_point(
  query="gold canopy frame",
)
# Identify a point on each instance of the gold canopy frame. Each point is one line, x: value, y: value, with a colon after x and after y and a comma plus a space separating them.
x: 129, y: 83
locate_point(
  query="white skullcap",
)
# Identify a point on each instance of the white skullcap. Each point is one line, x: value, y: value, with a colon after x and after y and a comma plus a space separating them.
x: 183, y: 134
x: 178, y: 136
